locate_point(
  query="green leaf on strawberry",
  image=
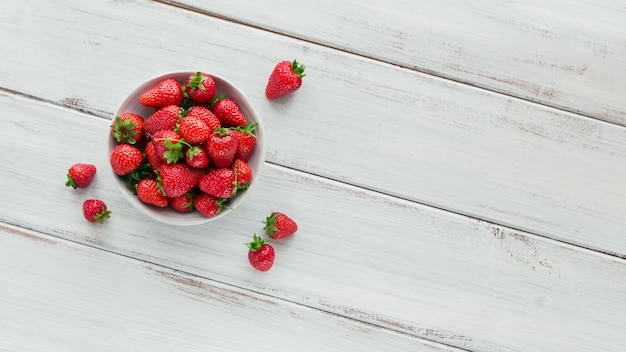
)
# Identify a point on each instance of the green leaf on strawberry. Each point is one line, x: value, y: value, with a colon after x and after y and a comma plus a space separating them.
x: 131, y: 180
x: 174, y: 151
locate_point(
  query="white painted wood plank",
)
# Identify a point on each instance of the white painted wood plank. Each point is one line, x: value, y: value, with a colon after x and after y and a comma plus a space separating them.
x: 62, y: 296
x: 355, y: 120
x: 564, y: 54
x: 360, y: 254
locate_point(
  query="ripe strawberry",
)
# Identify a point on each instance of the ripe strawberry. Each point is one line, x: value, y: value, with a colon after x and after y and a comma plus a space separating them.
x: 184, y: 203
x: 127, y: 128
x: 163, y: 119
x: 148, y: 191
x: 205, y: 115
x: 243, y: 174
x: 167, y: 145
x: 208, y: 205
x: 197, y: 157
x: 125, y: 159
x: 246, y: 141
x: 227, y: 111
x: 80, y: 175
x: 200, y: 87
x: 260, y: 254
x: 285, y: 78
x: 94, y: 210
x: 179, y: 178
x: 193, y: 129
x: 167, y: 92
x: 152, y: 158
x: 221, y: 146
x: 219, y: 183
x: 279, y: 226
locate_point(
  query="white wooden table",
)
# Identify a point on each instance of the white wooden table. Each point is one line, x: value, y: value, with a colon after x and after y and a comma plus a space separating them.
x: 457, y: 170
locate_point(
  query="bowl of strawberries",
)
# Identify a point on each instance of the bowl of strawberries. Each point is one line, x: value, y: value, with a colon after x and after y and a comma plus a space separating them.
x: 186, y: 147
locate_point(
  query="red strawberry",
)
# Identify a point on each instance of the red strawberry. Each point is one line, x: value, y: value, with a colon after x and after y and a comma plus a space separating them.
x: 163, y: 119
x: 243, y: 173
x: 221, y: 146
x: 285, y: 78
x: 94, y: 210
x: 148, y: 191
x: 167, y: 145
x: 208, y: 205
x: 194, y: 130
x: 205, y: 115
x: 127, y: 128
x: 200, y: 87
x: 279, y: 226
x: 167, y: 92
x: 219, y: 183
x: 184, y: 203
x: 246, y: 141
x: 154, y: 160
x: 80, y: 175
x: 125, y: 159
x: 227, y: 111
x: 179, y: 178
x: 197, y: 157
x: 260, y: 254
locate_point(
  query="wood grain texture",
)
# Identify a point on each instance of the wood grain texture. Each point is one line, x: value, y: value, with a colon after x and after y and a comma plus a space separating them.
x: 359, y: 254
x: 355, y: 120
x: 62, y: 296
x: 564, y: 54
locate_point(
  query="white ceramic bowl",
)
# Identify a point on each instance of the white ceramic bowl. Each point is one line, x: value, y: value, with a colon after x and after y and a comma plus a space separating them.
x: 256, y: 161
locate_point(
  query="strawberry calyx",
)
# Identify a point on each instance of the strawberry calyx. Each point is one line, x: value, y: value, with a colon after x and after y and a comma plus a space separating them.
x: 298, y: 69
x: 196, y: 81
x: 238, y: 187
x: 248, y: 129
x: 131, y: 180
x: 160, y: 183
x: 102, y: 215
x: 221, y: 131
x: 187, y: 102
x: 191, y: 197
x: 70, y: 181
x: 222, y: 203
x: 270, y: 224
x: 174, y: 150
x: 193, y: 152
x: 124, y: 130
x: 216, y: 99
x: 256, y: 244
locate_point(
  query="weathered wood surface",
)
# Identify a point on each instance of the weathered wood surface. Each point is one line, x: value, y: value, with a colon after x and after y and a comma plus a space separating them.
x: 434, y: 216
x: 424, y: 139
x: 378, y: 259
x: 566, y: 54
x: 61, y: 296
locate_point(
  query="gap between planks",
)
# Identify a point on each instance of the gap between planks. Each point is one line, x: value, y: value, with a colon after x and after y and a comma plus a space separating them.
x: 102, y: 114
x: 421, y: 70
x: 37, y: 235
